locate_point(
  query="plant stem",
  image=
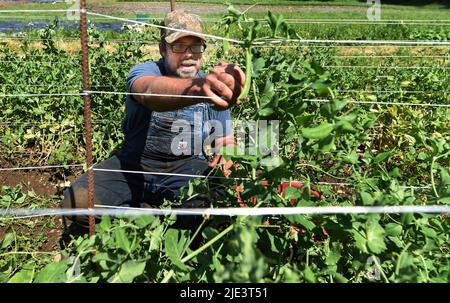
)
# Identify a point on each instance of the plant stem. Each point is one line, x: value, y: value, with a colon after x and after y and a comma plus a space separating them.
x: 380, y: 269
x: 432, y: 174
x: 211, y: 242
x: 321, y: 170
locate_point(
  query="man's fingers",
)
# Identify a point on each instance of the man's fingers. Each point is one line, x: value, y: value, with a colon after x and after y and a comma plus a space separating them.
x: 215, y: 99
x: 237, y: 73
x: 232, y: 85
x: 221, y: 89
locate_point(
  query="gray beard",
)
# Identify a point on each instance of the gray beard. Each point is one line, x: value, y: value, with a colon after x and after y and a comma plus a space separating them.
x: 186, y: 75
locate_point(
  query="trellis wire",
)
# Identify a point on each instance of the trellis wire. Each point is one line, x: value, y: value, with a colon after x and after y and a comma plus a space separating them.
x: 241, y: 211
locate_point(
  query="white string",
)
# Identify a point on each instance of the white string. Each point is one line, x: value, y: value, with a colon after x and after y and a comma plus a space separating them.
x: 393, y: 42
x: 44, y: 62
x: 57, y: 40
x: 391, y: 91
x: 166, y: 174
x: 41, y: 85
x: 4, y: 123
x: 165, y: 27
x: 285, y: 40
x: 393, y: 56
x: 65, y: 62
x: 182, y: 175
x: 242, y: 211
x: 41, y: 11
x: 147, y: 94
x: 368, y: 23
x: 41, y: 167
x: 349, y: 184
x: 307, y: 100
x: 382, y: 103
x: 386, y: 67
x: 44, y: 95
x: 280, y: 46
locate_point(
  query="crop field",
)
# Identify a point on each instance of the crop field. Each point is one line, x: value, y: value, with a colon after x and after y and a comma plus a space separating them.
x: 363, y: 113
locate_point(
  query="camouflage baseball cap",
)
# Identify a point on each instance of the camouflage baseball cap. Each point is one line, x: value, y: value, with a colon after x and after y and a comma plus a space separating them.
x: 182, y: 20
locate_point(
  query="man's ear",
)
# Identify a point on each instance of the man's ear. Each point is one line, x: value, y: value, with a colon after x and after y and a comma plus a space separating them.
x: 162, y: 49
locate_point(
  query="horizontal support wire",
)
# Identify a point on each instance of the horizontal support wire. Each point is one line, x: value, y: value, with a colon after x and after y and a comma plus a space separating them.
x: 392, y: 56
x: 44, y: 95
x: 41, y: 11
x: 6, y: 123
x: 164, y: 27
x: 43, y: 62
x: 275, y: 41
x: 101, y: 210
x: 145, y: 94
x: 307, y: 100
x: 184, y: 175
x: 336, y: 90
x: 74, y: 64
x: 391, y: 91
x: 166, y: 174
x: 41, y: 85
x: 41, y: 167
x: 386, y: 67
x: 325, y: 66
x: 280, y: 46
x: 376, y: 42
x: 206, y: 97
x: 382, y: 103
x: 57, y: 40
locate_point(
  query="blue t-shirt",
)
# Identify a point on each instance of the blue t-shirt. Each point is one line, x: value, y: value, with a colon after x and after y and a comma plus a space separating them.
x: 169, y: 135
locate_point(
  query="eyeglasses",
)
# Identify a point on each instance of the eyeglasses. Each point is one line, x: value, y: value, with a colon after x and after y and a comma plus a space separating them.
x: 180, y: 48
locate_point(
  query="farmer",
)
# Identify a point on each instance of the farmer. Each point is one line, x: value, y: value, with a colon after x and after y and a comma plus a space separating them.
x: 167, y: 134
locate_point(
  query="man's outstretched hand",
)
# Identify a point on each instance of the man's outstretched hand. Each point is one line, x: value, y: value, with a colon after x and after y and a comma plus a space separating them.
x: 224, y: 84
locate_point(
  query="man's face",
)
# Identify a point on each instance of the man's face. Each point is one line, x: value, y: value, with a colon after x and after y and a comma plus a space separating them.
x: 186, y: 64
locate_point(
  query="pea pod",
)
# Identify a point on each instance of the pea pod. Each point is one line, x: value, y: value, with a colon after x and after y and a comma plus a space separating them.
x: 248, y: 73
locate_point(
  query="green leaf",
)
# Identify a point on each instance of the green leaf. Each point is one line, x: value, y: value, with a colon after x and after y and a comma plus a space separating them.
x: 258, y: 65
x: 333, y: 256
x: 128, y: 272
x: 360, y: 241
x: 445, y: 200
x: 52, y: 273
x: 393, y: 229
x: 382, y: 156
x: 319, y: 132
x: 174, y: 247
x: 429, y: 232
x: 143, y: 221
x: 300, y: 219
x: 292, y: 193
x: 267, y: 111
x: 309, y: 275
x: 366, y: 198
x: 25, y: 275
x: 122, y: 240
x: 7, y: 240
x: 375, y: 237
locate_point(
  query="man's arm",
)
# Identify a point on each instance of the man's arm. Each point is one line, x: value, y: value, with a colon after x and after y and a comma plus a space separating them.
x: 223, y: 85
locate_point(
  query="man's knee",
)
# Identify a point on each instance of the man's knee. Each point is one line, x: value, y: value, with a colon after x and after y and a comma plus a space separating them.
x: 75, y: 197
